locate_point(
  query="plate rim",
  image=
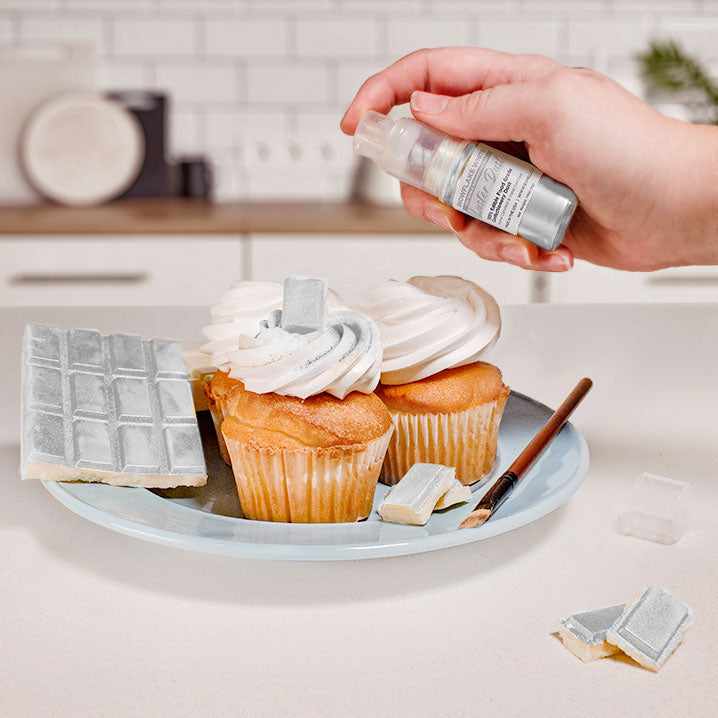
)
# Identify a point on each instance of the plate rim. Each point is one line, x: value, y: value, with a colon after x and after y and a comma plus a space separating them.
x: 325, y: 552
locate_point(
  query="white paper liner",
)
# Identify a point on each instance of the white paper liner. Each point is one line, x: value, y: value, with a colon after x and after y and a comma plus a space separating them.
x: 307, y: 485
x: 465, y: 440
x: 215, y: 410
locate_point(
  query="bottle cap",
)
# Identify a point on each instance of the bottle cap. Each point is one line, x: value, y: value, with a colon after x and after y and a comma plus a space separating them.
x: 372, y: 135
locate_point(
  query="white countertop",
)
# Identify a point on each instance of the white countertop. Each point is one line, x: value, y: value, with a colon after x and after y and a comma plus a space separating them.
x: 95, y: 623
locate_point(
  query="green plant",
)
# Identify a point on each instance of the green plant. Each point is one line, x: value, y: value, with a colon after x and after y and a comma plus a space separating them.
x: 667, y: 68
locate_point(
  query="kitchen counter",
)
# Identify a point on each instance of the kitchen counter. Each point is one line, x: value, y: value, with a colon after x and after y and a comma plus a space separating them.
x: 96, y: 623
x: 178, y: 216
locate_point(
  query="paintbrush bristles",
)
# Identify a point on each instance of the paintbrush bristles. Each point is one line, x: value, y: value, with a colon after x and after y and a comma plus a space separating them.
x: 475, y: 518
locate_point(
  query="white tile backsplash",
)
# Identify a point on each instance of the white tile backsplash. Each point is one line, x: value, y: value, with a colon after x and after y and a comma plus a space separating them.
x: 288, y: 84
x: 7, y: 30
x: 347, y: 37
x: 154, y: 36
x: 609, y: 39
x: 123, y: 76
x: 231, y: 128
x: 34, y: 28
x: 246, y: 37
x: 246, y: 71
x: 700, y: 34
x: 198, y: 82
x: 533, y: 36
x: 185, y: 132
x: 112, y: 6
x: 405, y: 34
x: 31, y: 5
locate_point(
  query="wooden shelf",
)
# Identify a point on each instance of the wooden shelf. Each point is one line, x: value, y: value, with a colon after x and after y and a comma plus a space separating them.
x: 177, y: 216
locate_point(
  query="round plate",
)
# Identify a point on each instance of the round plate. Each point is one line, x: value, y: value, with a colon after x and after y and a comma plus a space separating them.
x: 207, y: 518
x: 82, y: 149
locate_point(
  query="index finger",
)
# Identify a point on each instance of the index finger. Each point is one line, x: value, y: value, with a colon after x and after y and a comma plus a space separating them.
x: 445, y: 71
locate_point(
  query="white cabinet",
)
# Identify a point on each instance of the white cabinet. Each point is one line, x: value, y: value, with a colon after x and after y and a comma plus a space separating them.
x: 109, y: 270
x: 195, y: 270
x: 586, y: 283
x: 354, y: 262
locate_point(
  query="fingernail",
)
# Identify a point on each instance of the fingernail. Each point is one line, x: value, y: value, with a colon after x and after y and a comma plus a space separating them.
x: 427, y: 103
x: 557, y: 262
x: 438, y: 216
x: 514, y: 254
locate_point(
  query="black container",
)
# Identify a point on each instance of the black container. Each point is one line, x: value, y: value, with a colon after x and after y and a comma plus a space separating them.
x: 194, y: 177
x: 150, y: 109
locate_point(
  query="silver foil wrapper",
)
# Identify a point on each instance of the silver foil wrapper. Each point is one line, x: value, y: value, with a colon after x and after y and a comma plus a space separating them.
x: 116, y: 409
x: 591, y: 627
x: 650, y: 629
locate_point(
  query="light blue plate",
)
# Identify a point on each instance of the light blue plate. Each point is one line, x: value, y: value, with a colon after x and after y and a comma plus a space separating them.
x: 207, y: 518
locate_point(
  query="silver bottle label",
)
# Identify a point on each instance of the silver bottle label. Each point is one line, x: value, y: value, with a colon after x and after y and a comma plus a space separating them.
x: 495, y: 188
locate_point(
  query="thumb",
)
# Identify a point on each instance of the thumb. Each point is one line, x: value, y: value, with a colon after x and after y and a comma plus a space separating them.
x: 502, y: 113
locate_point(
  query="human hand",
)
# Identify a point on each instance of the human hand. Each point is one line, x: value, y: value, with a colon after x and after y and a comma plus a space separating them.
x: 647, y: 185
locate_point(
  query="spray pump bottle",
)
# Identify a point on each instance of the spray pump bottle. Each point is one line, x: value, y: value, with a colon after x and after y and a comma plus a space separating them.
x: 480, y: 181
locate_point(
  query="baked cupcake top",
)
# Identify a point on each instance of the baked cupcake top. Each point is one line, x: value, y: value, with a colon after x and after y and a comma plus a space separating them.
x: 430, y: 324
x: 280, y: 422
x: 447, y: 392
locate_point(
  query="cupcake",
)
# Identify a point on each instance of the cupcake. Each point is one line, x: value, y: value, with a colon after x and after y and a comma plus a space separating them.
x: 308, y: 461
x: 238, y: 313
x: 304, y: 432
x: 446, y: 404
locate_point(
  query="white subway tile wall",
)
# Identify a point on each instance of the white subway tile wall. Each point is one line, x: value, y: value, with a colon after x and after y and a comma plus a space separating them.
x: 266, y: 81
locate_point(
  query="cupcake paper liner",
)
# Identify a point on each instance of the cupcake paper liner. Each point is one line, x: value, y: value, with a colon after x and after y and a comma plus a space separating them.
x: 466, y: 440
x: 215, y: 410
x: 307, y: 485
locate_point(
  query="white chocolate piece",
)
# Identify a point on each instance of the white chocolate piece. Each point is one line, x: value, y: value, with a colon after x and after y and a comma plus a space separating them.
x: 650, y: 629
x: 587, y: 652
x: 304, y: 307
x: 584, y: 634
x: 457, y: 494
x: 412, y: 500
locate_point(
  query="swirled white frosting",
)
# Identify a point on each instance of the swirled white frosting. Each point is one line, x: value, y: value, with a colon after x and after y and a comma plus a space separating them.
x: 246, y: 339
x: 345, y: 357
x: 239, y: 312
x: 429, y: 324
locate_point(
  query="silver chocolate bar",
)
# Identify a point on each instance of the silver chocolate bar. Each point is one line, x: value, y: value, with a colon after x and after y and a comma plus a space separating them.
x: 584, y: 634
x: 116, y: 409
x: 650, y: 629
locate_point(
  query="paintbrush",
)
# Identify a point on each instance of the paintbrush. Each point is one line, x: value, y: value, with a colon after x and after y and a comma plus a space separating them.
x: 505, y: 484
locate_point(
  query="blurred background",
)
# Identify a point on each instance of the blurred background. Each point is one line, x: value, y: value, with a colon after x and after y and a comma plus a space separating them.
x: 148, y: 146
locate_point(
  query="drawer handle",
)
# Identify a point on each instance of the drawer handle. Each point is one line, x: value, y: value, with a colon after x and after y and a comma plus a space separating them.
x: 695, y: 280
x: 38, y: 278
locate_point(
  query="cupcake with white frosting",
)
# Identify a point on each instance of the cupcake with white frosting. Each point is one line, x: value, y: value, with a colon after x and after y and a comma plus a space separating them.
x: 302, y: 426
x: 446, y: 404
x: 239, y: 313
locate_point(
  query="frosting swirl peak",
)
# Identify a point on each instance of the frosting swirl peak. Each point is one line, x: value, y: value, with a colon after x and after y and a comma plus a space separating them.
x: 429, y: 324
x: 344, y: 357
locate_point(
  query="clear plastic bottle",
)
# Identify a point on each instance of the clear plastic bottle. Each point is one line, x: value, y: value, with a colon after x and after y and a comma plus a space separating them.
x: 480, y: 181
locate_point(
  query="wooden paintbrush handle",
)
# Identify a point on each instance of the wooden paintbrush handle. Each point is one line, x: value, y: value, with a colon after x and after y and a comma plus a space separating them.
x: 505, y: 484
x: 540, y: 441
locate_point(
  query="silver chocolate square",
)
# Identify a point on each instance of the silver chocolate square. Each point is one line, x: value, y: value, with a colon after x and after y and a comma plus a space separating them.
x: 114, y: 408
x: 304, y: 307
x: 650, y: 629
x: 591, y: 627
